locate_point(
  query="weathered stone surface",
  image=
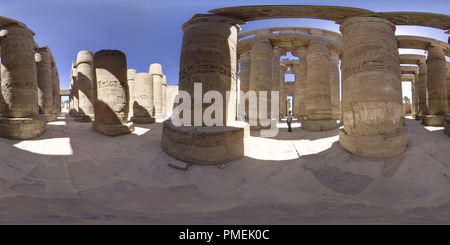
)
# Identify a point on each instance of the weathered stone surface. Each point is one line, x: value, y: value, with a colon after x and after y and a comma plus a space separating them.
x: 319, y: 125
x: 203, y: 145
x: 371, y: 91
x: 447, y: 125
x: 301, y: 79
x: 157, y: 76
x: 208, y: 56
x: 86, y: 82
x: 111, y: 105
x: 22, y: 128
x: 143, y: 107
x: 335, y: 87
x: 433, y: 120
x: 131, y: 73
x: 18, y: 70
x: 44, y: 79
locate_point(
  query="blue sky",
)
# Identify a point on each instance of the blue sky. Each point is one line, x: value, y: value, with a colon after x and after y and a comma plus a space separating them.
x: 150, y: 31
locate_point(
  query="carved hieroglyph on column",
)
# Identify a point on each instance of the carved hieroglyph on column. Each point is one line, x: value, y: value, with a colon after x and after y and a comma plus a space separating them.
x: 372, y: 93
x: 111, y: 105
x: 86, y: 78
x: 422, y: 93
x: 208, y: 56
x: 318, y: 97
x: 45, y: 88
x: 20, y: 117
x: 261, y: 74
x: 334, y: 87
x: 301, y: 78
x: 131, y: 73
x: 143, y: 99
x: 437, y: 88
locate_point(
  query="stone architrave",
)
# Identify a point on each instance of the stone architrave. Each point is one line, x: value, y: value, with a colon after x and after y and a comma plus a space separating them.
x: 318, y: 96
x: 164, y: 96
x: 20, y: 117
x: 301, y: 78
x: 371, y: 85
x: 277, y: 52
x: 334, y: 87
x: 261, y: 77
x: 131, y: 73
x: 157, y: 75
x: 45, y: 87
x: 245, y: 63
x: 86, y: 82
x: 111, y: 105
x: 143, y: 99
x: 208, y: 56
x: 437, y: 88
x: 56, y: 90
x: 422, y: 93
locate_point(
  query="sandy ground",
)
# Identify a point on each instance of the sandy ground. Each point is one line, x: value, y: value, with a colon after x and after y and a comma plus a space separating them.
x: 73, y: 175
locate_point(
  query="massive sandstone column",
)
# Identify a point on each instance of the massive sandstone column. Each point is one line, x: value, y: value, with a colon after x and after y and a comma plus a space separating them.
x: 74, y: 89
x: 164, y: 96
x: 86, y: 82
x: 437, y: 87
x: 372, y: 93
x: 318, y: 99
x: 157, y: 76
x: 283, y: 95
x: 277, y: 52
x: 44, y: 79
x: 244, y: 79
x: 208, y: 58
x: 143, y: 99
x: 131, y: 73
x: 111, y: 105
x: 261, y: 77
x: 415, y: 95
x: 301, y: 78
x: 20, y: 117
x: 56, y: 90
x: 422, y: 93
x: 448, y: 86
x: 334, y: 87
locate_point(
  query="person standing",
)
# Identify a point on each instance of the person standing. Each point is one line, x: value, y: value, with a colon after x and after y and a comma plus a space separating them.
x: 289, y: 121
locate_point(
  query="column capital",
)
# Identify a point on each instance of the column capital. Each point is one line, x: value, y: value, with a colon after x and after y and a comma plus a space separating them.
x: 279, y: 51
x: 42, y: 56
x: 299, y: 51
x: 198, y: 18
x: 262, y: 46
x: 85, y: 56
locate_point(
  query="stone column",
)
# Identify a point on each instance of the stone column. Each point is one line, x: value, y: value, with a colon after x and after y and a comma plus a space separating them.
x: 415, y: 96
x: 261, y: 77
x: 44, y: 79
x: 448, y: 86
x: 208, y: 58
x: 422, y: 93
x: 244, y: 79
x: 283, y: 95
x: 301, y: 78
x: 164, y: 96
x: 111, y: 105
x: 56, y: 90
x: 131, y: 73
x: 437, y: 87
x: 277, y: 52
x: 334, y: 87
x: 372, y: 92
x: 318, y: 96
x: 20, y: 118
x: 143, y: 99
x: 71, y: 107
x: 157, y: 75
x: 75, y: 90
x: 2, y: 100
x: 86, y: 80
